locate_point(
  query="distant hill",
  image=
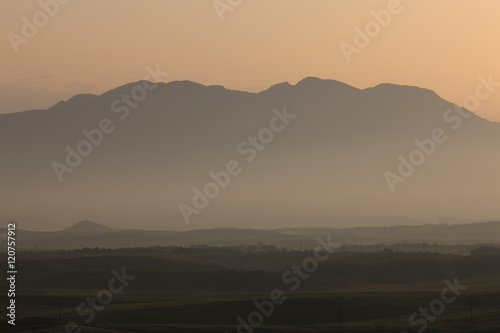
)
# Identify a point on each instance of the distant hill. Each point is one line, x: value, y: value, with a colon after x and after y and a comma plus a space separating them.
x: 91, y: 234
x: 88, y: 226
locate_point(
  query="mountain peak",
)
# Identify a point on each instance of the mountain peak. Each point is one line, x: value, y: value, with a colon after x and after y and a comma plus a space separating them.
x: 312, y: 82
x: 88, y: 226
x: 391, y: 88
x: 283, y: 86
x: 75, y: 100
x: 185, y: 84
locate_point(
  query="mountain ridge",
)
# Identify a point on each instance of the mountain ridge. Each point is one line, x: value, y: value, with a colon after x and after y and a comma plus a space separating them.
x: 305, y: 82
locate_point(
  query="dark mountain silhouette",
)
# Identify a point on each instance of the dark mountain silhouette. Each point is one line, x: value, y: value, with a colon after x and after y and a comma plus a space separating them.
x: 326, y: 168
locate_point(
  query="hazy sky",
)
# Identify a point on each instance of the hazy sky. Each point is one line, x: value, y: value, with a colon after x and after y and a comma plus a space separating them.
x: 91, y: 46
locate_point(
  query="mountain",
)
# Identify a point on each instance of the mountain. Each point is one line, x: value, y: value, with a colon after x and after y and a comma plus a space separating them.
x: 318, y: 153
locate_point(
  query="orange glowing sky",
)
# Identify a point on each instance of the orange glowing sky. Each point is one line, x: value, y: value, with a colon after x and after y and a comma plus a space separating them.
x: 92, y: 46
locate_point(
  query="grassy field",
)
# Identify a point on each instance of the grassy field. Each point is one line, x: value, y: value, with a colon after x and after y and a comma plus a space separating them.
x: 214, y: 294
x: 311, y: 312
